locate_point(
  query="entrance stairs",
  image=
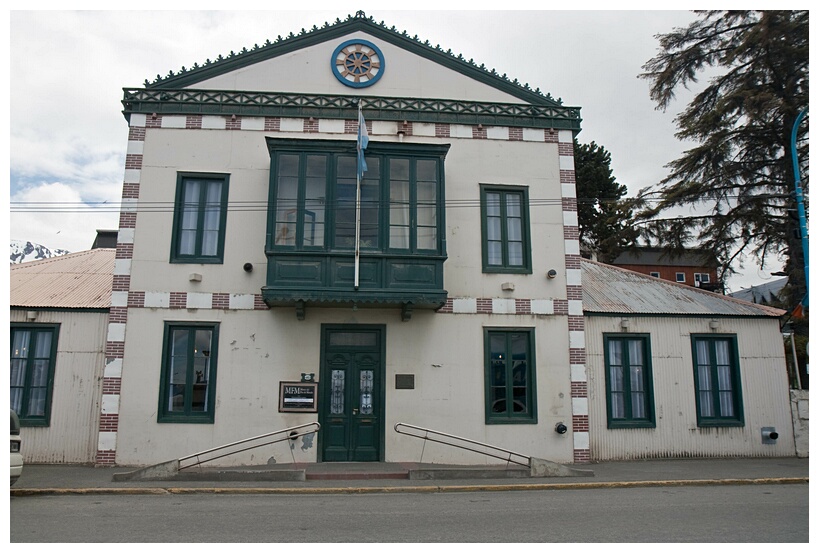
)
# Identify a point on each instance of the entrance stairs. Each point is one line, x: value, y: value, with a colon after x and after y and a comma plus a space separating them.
x: 300, y: 472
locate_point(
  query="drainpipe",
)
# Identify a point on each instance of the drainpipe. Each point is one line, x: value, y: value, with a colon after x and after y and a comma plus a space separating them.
x: 800, y: 203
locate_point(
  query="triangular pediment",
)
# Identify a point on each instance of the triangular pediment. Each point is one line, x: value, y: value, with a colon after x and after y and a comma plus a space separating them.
x: 301, y: 63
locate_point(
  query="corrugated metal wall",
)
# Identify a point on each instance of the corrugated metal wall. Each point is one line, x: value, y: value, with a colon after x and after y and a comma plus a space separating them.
x: 764, y: 391
x: 71, y: 436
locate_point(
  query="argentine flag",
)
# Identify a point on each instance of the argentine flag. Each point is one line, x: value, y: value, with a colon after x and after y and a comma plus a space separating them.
x: 363, y: 140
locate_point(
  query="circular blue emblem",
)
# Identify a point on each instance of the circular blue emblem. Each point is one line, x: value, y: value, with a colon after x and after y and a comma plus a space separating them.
x: 357, y: 63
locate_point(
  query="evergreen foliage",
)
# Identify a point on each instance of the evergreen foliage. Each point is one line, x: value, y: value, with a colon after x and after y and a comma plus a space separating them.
x: 604, y: 217
x: 737, y: 182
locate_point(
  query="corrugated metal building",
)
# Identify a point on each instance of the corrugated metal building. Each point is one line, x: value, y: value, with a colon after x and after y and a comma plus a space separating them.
x: 59, y: 321
x: 674, y: 371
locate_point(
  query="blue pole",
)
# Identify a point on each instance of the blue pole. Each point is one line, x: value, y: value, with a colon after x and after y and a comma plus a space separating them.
x: 800, y: 202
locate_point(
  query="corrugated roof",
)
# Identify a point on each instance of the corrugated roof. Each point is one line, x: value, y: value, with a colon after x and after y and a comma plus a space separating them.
x: 608, y: 289
x: 80, y: 280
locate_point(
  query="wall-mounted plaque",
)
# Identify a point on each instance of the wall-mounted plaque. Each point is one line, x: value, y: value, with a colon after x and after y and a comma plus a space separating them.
x: 298, y: 397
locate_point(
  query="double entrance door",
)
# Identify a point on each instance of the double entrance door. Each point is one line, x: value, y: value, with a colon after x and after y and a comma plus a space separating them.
x: 352, y: 393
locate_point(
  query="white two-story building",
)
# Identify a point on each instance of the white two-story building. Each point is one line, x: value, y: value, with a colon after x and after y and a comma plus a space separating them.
x: 236, y: 269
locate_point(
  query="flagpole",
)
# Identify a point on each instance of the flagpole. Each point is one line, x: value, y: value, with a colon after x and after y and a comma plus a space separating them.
x: 358, y: 201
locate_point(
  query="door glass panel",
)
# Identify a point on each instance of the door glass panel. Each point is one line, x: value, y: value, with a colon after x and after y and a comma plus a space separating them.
x: 337, y: 392
x: 366, y: 389
x: 364, y: 339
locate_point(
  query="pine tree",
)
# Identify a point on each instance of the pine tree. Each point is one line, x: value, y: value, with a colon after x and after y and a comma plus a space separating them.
x: 604, y: 217
x: 739, y: 175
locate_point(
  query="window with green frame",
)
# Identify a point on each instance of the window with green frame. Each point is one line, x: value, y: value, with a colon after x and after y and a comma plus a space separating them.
x: 313, y: 197
x: 187, y: 390
x: 509, y: 359
x: 505, y: 229
x: 629, y: 387
x: 200, y: 214
x: 33, y: 356
x: 717, y: 381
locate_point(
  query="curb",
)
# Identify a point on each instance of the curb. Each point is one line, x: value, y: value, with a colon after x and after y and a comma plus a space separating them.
x: 27, y: 492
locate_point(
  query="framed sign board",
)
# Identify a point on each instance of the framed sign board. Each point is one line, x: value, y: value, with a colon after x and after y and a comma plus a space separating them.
x: 298, y: 397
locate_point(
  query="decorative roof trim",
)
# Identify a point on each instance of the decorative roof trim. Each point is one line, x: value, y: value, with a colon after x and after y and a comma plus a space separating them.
x: 187, y: 77
x: 277, y: 104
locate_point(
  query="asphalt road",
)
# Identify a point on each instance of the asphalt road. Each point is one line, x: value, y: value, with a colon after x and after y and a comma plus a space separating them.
x: 749, y: 513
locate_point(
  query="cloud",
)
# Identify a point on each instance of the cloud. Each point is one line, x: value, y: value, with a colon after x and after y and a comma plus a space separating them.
x: 72, y: 231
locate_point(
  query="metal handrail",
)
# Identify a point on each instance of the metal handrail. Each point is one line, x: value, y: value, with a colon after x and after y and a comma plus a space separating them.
x: 290, y: 436
x: 426, y: 436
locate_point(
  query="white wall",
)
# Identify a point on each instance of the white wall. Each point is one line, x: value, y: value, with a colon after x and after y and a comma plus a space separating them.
x: 258, y: 349
x: 71, y: 436
x: 764, y: 391
x: 308, y: 71
x: 244, y: 156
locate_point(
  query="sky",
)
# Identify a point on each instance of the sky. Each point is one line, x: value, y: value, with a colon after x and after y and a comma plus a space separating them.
x: 67, y: 70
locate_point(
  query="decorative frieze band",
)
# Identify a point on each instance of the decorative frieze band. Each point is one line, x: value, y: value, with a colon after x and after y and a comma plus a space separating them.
x: 460, y: 306
x: 348, y: 126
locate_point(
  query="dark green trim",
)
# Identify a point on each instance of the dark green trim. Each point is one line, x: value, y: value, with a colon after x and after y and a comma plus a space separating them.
x: 314, y: 275
x: 629, y: 421
x: 179, y: 207
x: 328, y: 32
x: 529, y: 417
x: 504, y: 192
x: 205, y: 417
x: 326, y: 329
x: 736, y: 382
x: 280, y: 104
x: 35, y: 328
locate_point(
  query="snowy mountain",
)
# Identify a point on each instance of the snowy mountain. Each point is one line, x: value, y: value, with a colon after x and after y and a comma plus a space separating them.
x: 26, y: 251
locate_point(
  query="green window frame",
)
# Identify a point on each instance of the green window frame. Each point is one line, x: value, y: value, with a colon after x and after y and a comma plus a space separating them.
x: 313, y: 197
x: 629, y: 381
x: 506, y: 240
x: 200, y: 218
x: 509, y: 369
x: 717, y: 380
x: 187, y: 390
x: 33, y: 359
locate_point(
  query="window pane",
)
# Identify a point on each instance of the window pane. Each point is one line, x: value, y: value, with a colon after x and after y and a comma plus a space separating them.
x: 426, y: 237
x: 427, y: 170
x: 287, y: 200
x: 515, y: 254
x: 36, y: 402
x: 513, y: 205
x: 190, y: 216
x: 314, y: 201
x: 513, y: 229
x: 493, y: 205
x: 399, y: 204
x: 509, y: 391
x: 493, y: 229
x: 370, y: 205
x: 494, y: 253
x: 345, y: 202
x: 399, y: 237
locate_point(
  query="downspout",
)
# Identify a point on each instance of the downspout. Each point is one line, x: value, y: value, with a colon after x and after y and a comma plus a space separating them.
x: 800, y: 202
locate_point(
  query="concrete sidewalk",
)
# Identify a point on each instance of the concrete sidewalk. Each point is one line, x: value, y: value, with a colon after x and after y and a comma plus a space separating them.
x: 388, y: 478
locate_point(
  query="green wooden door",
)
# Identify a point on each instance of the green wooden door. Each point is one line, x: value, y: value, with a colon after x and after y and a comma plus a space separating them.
x: 351, y: 410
